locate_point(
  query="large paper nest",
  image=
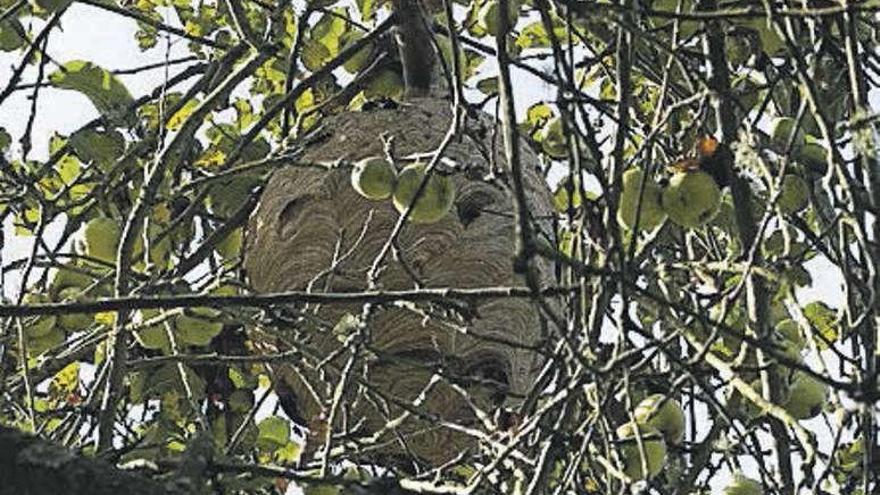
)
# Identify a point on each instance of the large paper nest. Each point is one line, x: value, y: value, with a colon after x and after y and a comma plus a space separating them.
x: 313, y: 231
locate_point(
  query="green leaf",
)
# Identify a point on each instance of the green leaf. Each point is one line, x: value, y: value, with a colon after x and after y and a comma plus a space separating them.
x: 66, y: 380
x: 274, y: 432
x: 488, y: 85
x: 176, y: 121
x: 534, y: 35
x: 314, y: 54
x: 101, y: 148
x: 167, y: 381
x: 241, y: 401
x: 329, y: 30
x: 368, y: 8
x: 824, y: 320
x: 5, y: 140
x: 538, y: 114
x: 106, y: 92
x: 561, y: 198
x: 770, y: 40
x: 226, y: 197
x: 11, y: 35
x: 288, y: 454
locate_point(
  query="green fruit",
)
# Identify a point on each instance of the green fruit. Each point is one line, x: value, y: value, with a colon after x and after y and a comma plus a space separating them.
x: 435, y: 201
x: 153, y: 336
x: 374, y: 178
x: 490, y: 18
x: 808, y: 396
x: 38, y: 345
x: 813, y: 155
x: 780, y: 132
x: 795, y: 194
x: 40, y: 326
x: 650, y: 211
x: 751, y: 410
x: 662, y: 413
x: 73, y: 322
x: 99, y: 239
x: 65, y: 277
x: 748, y: 408
x: 198, y: 326
x: 741, y: 485
x: 654, y: 447
x: 691, y: 199
x: 553, y: 141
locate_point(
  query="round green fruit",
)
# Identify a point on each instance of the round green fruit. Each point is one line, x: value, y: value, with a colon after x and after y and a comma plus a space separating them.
x: 814, y: 156
x: 436, y: 198
x: 553, y: 141
x: 38, y: 345
x: 741, y: 485
x: 654, y: 447
x: 781, y: 130
x: 152, y: 336
x: 791, y: 331
x: 198, y: 326
x: 73, y: 322
x: 691, y: 199
x: 808, y: 396
x: 374, y: 178
x: 40, y: 326
x: 490, y: 18
x: 649, y: 208
x: 748, y: 408
x: 795, y: 194
x: 662, y: 413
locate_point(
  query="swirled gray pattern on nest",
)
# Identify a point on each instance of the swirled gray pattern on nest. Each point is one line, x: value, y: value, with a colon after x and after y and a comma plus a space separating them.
x: 309, y: 218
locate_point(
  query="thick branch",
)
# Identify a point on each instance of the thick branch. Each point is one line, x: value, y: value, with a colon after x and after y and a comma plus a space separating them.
x: 29, y: 465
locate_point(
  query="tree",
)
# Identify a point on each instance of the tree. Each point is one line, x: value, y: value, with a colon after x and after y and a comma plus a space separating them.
x: 663, y: 320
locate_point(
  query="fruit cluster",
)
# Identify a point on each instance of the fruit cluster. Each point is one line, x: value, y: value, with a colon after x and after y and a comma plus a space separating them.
x: 690, y: 199
x: 376, y: 179
x: 659, y: 421
x: 692, y: 196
